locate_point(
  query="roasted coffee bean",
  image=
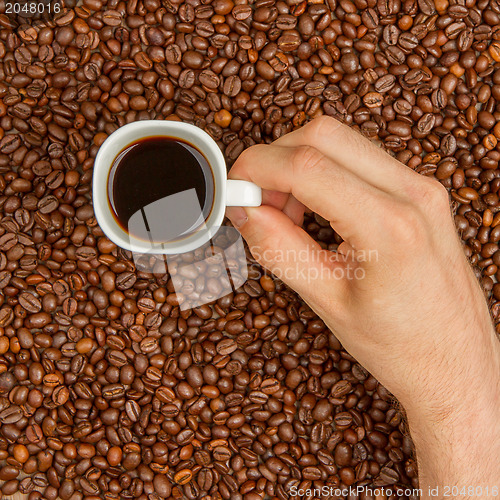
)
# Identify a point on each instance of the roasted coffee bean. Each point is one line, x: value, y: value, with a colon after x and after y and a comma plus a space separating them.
x: 11, y: 415
x: 107, y: 387
x: 385, y: 83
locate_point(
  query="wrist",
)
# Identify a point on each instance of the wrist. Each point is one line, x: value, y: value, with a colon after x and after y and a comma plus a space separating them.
x: 460, y: 450
x: 452, y: 376
x: 454, y: 436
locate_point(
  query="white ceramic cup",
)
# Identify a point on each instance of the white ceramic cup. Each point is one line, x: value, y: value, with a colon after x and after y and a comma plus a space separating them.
x: 226, y: 192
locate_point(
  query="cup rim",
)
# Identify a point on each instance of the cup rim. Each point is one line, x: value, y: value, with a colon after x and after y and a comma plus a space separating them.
x: 132, y: 132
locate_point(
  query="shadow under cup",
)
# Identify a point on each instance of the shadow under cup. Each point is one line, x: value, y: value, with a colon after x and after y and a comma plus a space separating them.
x: 160, y: 189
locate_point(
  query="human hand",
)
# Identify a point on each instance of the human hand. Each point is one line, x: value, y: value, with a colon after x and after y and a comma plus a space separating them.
x: 414, y: 314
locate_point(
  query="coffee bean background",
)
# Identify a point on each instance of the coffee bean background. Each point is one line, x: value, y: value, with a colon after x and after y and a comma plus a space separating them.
x: 108, y: 390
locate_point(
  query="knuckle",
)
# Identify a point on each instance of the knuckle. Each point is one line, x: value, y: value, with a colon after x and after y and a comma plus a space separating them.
x: 320, y: 127
x: 405, y: 226
x: 437, y: 196
x: 364, y: 146
x: 307, y: 161
x: 430, y: 194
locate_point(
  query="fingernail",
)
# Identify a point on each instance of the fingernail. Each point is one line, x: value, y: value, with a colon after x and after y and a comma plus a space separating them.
x: 237, y: 216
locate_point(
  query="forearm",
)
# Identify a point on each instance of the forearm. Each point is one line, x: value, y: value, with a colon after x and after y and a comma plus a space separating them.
x: 464, y: 457
x: 461, y: 447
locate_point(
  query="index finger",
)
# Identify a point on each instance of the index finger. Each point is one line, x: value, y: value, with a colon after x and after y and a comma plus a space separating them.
x: 328, y: 189
x: 350, y: 149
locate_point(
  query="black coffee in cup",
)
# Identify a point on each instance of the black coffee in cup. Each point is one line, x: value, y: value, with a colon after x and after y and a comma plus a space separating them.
x: 160, y: 189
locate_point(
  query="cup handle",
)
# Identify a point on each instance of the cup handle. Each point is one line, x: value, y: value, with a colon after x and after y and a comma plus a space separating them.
x: 242, y: 194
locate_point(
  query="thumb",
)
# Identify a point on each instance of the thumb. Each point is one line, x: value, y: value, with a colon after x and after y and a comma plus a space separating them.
x: 286, y: 250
